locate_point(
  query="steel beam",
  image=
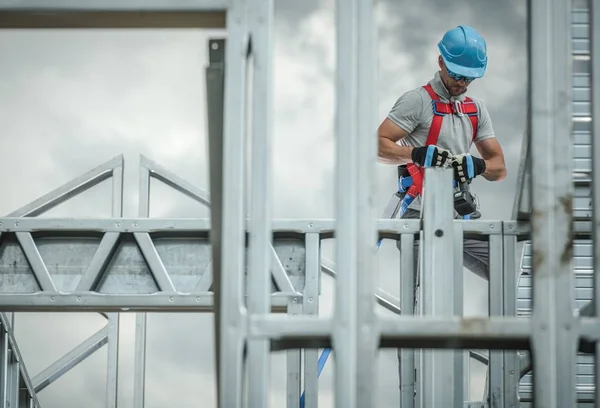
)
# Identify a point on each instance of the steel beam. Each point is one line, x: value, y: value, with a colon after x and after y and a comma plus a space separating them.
x: 113, y: 14
x: 437, y: 383
x: 261, y: 24
x: 229, y: 277
x: 554, y: 336
x: 595, y: 190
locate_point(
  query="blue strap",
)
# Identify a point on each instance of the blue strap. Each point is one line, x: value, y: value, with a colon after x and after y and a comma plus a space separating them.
x: 406, y: 201
x: 404, y: 184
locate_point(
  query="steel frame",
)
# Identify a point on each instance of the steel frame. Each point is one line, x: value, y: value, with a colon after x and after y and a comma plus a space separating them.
x: 243, y: 319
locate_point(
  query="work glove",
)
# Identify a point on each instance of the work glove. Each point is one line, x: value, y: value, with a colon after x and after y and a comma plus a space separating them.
x: 430, y: 156
x: 467, y: 167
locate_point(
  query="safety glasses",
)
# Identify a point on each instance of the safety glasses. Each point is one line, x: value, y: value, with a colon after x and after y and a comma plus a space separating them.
x: 457, y: 77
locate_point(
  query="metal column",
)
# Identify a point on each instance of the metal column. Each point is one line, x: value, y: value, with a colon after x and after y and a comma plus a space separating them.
x: 229, y: 280
x: 355, y: 330
x: 554, y: 336
x: 261, y: 20
x: 437, y: 382
x: 595, y: 190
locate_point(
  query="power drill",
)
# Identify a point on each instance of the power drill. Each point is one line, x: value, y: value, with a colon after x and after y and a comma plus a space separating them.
x: 464, y: 202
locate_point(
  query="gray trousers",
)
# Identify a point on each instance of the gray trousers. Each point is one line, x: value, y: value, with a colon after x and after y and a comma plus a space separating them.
x: 475, y: 259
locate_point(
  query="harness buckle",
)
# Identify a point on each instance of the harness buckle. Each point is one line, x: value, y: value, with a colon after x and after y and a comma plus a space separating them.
x: 458, y: 108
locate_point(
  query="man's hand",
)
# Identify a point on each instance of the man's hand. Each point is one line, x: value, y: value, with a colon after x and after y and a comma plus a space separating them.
x: 430, y: 156
x: 467, y: 167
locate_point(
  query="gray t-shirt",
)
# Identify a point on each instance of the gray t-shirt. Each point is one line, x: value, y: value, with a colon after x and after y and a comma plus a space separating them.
x: 413, y: 113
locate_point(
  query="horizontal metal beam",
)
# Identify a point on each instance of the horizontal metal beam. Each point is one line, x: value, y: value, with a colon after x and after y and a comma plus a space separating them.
x: 388, y: 229
x: 108, y: 20
x: 100, y: 302
x: 114, y: 5
x: 403, y: 331
x: 113, y: 14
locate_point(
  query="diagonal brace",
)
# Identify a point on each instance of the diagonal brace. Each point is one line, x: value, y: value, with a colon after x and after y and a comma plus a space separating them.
x: 70, y: 360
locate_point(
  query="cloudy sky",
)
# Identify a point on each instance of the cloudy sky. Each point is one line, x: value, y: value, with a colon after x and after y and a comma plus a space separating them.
x: 72, y: 100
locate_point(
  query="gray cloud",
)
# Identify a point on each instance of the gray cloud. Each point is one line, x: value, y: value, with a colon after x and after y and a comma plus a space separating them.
x: 73, y: 100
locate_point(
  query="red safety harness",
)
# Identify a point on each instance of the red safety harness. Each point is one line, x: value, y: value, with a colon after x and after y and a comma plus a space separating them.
x: 440, y: 109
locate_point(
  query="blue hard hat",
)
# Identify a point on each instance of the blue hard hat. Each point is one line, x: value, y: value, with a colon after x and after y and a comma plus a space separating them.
x: 464, y: 51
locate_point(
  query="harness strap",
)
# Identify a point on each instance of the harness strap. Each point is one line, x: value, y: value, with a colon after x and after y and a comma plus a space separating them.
x: 438, y: 117
x: 440, y: 109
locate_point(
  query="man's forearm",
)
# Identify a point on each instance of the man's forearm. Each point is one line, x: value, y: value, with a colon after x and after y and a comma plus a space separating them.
x: 495, y: 169
x: 391, y: 153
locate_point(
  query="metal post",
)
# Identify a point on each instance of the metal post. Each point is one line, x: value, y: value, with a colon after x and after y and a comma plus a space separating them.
x: 344, y: 340
x: 215, y: 89
x: 496, y: 357
x: 461, y: 357
x: 509, y: 302
x: 259, y: 254
x: 436, y: 284
x: 595, y: 110
x: 553, y: 324
x: 365, y: 174
x: 112, y: 352
x: 407, y: 307
x: 139, y: 368
x: 229, y: 324
x: 311, y: 308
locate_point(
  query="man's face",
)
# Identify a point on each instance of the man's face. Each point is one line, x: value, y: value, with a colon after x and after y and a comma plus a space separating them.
x: 456, y: 85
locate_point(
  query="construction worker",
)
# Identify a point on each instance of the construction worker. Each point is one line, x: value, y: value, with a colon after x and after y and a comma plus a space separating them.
x: 436, y: 124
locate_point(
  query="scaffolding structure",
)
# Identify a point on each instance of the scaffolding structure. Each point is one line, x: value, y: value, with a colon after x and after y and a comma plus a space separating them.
x: 261, y: 277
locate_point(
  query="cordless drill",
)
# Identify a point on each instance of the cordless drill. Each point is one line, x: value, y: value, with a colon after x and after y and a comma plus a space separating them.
x: 464, y: 202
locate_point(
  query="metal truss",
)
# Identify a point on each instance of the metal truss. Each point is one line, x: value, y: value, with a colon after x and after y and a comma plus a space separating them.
x: 144, y: 265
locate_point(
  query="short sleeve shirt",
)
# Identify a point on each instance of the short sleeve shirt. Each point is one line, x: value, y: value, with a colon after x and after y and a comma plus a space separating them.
x: 413, y: 113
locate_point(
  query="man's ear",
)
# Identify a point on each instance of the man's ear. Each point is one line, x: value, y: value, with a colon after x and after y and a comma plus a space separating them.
x: 440, y: 62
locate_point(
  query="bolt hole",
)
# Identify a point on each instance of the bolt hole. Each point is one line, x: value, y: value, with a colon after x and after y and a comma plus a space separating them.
x: 439, y: 233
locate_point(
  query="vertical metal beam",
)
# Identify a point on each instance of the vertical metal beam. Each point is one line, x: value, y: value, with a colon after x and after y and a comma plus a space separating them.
x: 139, y: 360
x: 365, y: 174
x: 407, y: 307
x: 294, y: 362
x: 112, y: 354
x: 509, y: 302
x: 229, y: 322
x: 310, y: 307
x: 112, y: 370
x: 595, y: 100
x: 215, y: 99
x: 261, y: 16
x: 344, y: 340
x: 4, y: 361
x: 553, y: 324
x: 461, y: 357
x: 437, y: 282
x: 496, y: 357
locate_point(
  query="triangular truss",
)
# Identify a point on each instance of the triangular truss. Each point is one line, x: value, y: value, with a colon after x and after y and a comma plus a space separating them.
x: 100, y: 275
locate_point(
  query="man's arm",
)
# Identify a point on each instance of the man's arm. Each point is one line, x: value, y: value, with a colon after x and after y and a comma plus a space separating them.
x: 389, y: 152
x: 491, y: 151
x: 403, y: 118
